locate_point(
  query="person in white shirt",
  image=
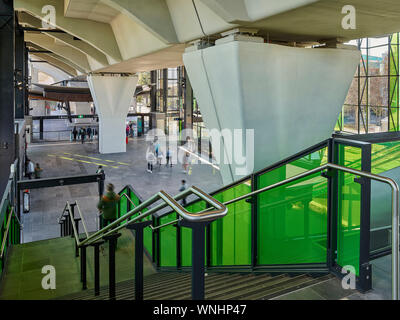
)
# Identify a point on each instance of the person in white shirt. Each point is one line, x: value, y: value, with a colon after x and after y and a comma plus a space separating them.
x: 151, y: 161
x: 31, y: 169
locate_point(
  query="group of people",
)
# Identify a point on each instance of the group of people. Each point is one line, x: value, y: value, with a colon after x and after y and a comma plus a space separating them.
x: 82, y: 133
x: 155, y: 156
x: 32, y: 170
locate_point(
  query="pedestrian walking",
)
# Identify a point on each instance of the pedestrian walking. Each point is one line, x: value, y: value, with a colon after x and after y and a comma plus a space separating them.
x: 168, y: 158
x: 31, y: 169
x: 183, y: 188
x: 185, y: 162
x: 100, y: 171
x: 82, y: 134
x: 151, y: 161
x: 74, y: 133
x: 108, y: 205
x: 89, y: 133
x: 160, y: 157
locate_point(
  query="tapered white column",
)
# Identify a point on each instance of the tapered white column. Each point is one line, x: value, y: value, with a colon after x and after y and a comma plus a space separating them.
x: 291, y: 97
x: 112, y: 96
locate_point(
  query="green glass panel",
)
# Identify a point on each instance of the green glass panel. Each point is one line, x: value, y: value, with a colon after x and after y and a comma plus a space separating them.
x: 186, y: 247
x: 231, y: 235
x: 136, y: 201
x: 349, y: 205
x: 123, y: 206
x: 168, y: 242
x: 292, y: 219
x: 186, y: 235
x: 385, y: 156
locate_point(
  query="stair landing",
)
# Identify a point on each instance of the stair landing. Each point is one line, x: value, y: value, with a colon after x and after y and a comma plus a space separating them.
x: 23, y: 273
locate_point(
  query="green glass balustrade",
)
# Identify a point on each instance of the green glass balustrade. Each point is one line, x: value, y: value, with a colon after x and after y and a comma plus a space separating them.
x: 349, y: 208
x: 168, y: 242
x: 231, y: 236
x: 292, y: 220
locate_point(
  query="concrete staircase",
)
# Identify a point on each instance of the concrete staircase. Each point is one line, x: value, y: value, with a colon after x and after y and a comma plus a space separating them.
x: 218, y: 286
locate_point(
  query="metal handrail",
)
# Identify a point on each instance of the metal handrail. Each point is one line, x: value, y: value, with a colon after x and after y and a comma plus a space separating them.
x: 82, y: 219
x: 165, y: 224
x: 62, y: 214
x: 220, y: 211
x: 127, y: 197
x: 3, y: 244
x: 73, y: 224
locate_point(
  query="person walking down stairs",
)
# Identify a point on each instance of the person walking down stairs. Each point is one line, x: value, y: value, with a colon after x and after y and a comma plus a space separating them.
x: 108, y: 205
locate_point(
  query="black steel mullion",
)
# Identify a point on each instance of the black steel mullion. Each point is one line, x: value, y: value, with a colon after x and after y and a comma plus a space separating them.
x: 208, y: 245
x: 333, y: 198
x: 254, y: 222
x: 365, y: 280
x: 178, y: 244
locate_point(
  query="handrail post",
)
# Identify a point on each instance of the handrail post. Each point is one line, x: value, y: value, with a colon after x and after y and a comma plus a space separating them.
x: 65, y: 227
x: 67, y: 223
x: 76, y: 221
x: 61, y: 227
x: 112, y: 243
x: 198, y: 256
x: 70, y: 218
x: 138, y: 227
x: 83, y: 267
x: 96, y: 247
x: 76, y: 244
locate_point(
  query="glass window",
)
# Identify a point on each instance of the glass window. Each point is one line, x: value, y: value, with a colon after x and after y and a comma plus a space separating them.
x: 372, y: 102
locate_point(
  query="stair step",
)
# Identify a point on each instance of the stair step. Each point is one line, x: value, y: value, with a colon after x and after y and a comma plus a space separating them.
x: 238, y: 289
x: 264, y: 292
x: 218, y: 286
x: 210, y: 282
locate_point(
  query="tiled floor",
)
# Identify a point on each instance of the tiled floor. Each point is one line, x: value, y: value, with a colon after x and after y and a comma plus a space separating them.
x: 327, y: 290
x: 121, y: 169
x: 332, y: 289
x: 381, y: 281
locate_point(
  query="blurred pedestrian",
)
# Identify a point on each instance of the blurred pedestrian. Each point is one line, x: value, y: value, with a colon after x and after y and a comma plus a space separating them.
x: 185, y: 162
x: 74, y: 133
x: 100, y: 171
x: 151, y: 161
x: 183, y: 188
x: 31, y: 169
x: 168, y: 158
x: 108, y: 205
x: 82, y: 134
